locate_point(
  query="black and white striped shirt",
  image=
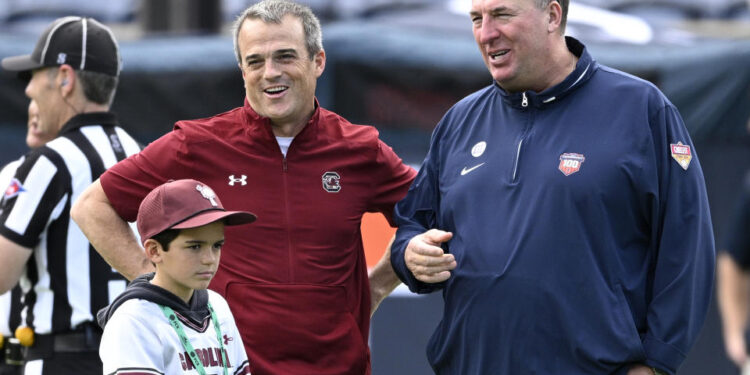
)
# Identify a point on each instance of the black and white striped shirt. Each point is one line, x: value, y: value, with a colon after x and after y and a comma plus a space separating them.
x: 66, y: 281
x: 10, y: 302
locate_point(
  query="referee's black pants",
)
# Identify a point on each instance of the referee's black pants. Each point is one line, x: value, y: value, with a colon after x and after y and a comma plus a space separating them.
x: 77, y: 363
x: 6, y: 369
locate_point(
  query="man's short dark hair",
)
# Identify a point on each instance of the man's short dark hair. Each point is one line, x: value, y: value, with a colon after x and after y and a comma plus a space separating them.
x: 98, y: 87
x: 563, y: 4
x: 273, y: 11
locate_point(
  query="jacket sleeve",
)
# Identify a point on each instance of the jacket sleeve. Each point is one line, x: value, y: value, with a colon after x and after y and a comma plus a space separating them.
x: 391, y: 180
x: 682, y: 237
x: 417, y: 213
x: 129, y: 181
x: 42, y: 185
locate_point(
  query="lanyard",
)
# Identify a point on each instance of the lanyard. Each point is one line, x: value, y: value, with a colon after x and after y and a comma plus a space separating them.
x: 170, y: 314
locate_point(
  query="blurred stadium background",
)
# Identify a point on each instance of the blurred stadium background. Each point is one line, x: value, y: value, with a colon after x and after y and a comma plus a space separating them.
x: 399, y: 65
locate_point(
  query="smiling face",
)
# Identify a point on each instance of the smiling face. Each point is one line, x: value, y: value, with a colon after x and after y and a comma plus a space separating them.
x: 279, y: 75
x: 514, y: 38
x: 191, y: 260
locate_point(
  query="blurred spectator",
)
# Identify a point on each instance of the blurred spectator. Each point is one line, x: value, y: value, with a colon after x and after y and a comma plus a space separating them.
x: 30, y: 17
x: 335, y: 9
x: 673, y: 10
x: 114, y: 11
x: 734, y: 280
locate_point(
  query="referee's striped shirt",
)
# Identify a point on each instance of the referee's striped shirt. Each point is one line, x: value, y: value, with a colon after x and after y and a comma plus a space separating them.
x: 66, y: 281
x: 10, y: 301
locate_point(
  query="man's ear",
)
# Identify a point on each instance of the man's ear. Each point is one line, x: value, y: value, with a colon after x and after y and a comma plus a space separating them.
x: 554, y: 12
x: 67, y: 79
x: 153, y: 250
x: 320, y: 63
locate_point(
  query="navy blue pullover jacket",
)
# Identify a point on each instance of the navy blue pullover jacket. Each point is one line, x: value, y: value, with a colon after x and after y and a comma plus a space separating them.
x: 581, y: 229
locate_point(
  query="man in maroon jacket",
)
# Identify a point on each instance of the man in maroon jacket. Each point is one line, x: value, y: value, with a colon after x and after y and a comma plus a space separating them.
x: 297, y: 282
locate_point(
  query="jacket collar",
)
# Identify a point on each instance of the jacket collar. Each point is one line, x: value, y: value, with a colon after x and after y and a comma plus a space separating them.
x: 196, y: 310
x: 257, y: 123
x: 585, y: 68
x: 91, y: 118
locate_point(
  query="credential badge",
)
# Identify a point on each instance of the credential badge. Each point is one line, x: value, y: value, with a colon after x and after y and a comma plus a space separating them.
x: 331, y: 182
x: 682, y: 154
x: 570, y: 163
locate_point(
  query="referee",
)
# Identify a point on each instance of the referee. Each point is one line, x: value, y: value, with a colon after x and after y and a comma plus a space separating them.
x: 72, y: 76
x: 10, y: 301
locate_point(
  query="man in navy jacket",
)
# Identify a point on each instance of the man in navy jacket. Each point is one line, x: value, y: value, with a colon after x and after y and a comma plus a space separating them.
x: 562, y: 211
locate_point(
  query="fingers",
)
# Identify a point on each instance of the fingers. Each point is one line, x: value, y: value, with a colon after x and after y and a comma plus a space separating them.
x: 436, y: 236
x: 426, y: 260
x: 640, y: 370
x: 736, y: 351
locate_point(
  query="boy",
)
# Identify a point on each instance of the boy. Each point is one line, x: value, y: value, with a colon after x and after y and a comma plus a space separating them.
x: 165, y: 322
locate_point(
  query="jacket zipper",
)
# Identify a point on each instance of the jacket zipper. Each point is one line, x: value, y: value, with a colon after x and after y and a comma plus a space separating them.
x: 524, y: 104
x: 288, y: 218
x: 518, y: 156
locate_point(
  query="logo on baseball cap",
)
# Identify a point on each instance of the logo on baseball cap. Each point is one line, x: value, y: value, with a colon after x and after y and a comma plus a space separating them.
x: 184, y: 204
x: 83, y: 43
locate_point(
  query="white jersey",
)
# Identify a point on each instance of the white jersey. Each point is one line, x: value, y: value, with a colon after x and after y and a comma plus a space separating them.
x: 138, y: 339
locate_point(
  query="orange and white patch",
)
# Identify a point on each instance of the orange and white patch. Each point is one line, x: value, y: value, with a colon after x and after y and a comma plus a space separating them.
x: 570, y: 163
x: 682, y: 154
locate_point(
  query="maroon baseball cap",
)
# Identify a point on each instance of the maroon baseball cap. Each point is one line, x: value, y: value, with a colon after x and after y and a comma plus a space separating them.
x: 184, y: 204
x: 83, y: 43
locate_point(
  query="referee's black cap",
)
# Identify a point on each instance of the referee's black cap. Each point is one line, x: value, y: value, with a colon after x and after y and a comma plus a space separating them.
x: 81, y: 42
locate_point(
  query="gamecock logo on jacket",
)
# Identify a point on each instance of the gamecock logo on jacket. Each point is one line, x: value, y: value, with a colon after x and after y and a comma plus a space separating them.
x: 331, y: 182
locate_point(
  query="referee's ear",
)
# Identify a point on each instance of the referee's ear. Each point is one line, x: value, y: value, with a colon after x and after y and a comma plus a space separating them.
x: 153, y: 250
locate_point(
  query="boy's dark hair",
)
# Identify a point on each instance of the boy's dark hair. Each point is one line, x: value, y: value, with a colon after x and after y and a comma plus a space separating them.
x: 166, y: 237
